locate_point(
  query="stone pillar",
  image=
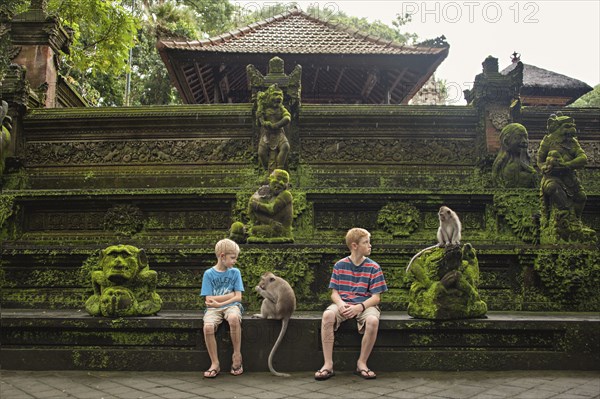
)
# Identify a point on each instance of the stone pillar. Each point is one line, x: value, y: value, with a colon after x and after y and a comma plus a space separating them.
x: 38, y: 38
x: 494, y: 94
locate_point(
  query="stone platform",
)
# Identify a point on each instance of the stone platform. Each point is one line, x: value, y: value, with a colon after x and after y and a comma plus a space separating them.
x: 173, y: 341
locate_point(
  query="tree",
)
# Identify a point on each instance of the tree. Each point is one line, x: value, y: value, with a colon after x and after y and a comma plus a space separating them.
x: 188, y: 20
x: 105, y: 31
x: 588, y: 100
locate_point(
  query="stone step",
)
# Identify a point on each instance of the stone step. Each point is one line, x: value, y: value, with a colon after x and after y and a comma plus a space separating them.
x: 35, y: 339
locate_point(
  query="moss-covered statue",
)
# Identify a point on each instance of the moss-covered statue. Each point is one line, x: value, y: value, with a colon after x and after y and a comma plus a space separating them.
x: 512, y: 166
x: 123, y: 284
x: 559, y: 157
x: 445, y: 284
x: 272, y: 117
x: 5, y: 128
x: 271, y: 212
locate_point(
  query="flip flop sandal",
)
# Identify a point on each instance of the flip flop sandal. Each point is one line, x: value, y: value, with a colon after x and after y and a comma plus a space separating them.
x: 324, y: 374
x: 237, y: 370
x: 365, y: 374
x: 212, y: 373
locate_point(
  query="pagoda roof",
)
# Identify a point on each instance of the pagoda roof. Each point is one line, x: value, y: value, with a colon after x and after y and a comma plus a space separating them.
x: 544, y: 83
x: 340, y: 64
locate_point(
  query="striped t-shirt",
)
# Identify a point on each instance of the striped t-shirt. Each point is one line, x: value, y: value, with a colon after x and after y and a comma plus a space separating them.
x: 356, y: 284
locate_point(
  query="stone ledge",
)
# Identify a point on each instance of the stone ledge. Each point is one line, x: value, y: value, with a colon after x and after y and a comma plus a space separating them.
x: 173, y: 341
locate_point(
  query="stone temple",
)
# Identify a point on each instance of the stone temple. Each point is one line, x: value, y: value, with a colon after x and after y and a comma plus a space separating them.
x: 79, y: 182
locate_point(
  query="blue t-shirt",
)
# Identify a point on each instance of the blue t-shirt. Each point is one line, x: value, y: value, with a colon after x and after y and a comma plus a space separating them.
x: 215, y: 283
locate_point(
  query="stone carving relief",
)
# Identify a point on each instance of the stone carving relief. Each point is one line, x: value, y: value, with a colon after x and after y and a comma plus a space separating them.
x: 136, y: 152
x: 382, y: 150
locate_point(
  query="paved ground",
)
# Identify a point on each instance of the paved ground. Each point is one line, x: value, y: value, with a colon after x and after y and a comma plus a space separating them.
x: 184, y: 385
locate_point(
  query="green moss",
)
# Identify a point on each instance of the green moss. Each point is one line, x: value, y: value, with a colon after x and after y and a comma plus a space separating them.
x: 520, y: 210
x: 570, y: 278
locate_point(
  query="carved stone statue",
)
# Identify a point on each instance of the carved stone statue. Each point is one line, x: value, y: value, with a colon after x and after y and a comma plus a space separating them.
x: 559, y: 157
x: 272, y: 117
x: 123, y: 284
x: 271, y: 212
x: 5, y: 128
x: 512, y: 166
x: 445, y: 284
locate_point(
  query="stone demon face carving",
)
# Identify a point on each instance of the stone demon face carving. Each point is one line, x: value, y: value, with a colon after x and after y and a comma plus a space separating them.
x: 120, y: 263
x: 562, y: 125
x: 123, y: 284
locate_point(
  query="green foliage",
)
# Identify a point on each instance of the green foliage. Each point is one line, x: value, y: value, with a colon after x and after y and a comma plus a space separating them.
x: 571, y: 278
x: 588, y: 100
x: 104, y: 31
x: 521, y: 212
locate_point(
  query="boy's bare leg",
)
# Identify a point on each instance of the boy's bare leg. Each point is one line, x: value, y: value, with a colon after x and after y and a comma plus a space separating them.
x: 235, y: 330
x: 211, y: 347
x: 368, y: 341
x: 327, y: 338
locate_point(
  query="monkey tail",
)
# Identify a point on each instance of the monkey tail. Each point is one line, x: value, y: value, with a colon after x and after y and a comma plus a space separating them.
x: 417, y: 255
x: 284, y: 326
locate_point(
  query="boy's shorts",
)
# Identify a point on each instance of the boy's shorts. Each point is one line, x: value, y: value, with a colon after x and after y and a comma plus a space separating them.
x: 216, y: 315
x: 361, y: 318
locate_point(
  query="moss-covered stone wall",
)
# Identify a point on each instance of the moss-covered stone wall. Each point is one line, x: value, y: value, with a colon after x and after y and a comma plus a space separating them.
x: 183, y: 174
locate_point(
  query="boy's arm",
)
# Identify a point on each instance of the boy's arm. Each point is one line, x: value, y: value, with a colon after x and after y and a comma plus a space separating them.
x: 374, y: 300
x: 353, y: 310
x: 337, y: 299
x: 222, y: 300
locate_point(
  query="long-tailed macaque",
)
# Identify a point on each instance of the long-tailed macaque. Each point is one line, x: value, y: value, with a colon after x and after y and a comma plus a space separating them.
x: 448, y: 233
x: 279, y: 303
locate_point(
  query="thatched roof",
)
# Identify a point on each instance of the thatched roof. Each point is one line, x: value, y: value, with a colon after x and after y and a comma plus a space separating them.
x: 540, y: 82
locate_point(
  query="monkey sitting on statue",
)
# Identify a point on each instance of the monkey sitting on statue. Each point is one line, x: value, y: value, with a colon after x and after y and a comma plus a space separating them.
x: 449, y: 232
x: 279, y: 303
x: 445, y: 276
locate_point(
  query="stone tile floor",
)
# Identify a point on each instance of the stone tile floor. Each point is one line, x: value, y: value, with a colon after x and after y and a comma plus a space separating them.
x: 184, y: 385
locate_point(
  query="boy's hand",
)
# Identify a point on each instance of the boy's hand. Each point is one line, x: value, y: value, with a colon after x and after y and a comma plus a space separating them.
x: 211, y: 303
x: 350, y: 311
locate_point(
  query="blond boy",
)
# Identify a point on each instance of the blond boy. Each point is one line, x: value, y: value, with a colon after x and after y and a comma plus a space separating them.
x: 356, y: 284
x: 222, y: 288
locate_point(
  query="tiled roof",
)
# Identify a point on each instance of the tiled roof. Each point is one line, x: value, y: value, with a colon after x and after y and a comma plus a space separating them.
x: 296, y: 32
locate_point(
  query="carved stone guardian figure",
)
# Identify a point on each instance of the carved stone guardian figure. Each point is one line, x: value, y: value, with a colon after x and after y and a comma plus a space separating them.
x: 5, y: 128
x: 123, y: 284
x: 512, y: 166
x: 276, y: 98
x: 271, y: 212
x: 563, y: 197
x: 272, y: 117
x: 445, y: 284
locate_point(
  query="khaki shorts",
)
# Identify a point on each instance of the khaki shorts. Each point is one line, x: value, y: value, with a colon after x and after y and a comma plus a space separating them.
x: 361, y: 318
x: 216, y: 316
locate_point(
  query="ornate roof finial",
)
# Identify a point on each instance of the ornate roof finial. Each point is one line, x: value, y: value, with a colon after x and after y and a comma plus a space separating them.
x: 515, y: 57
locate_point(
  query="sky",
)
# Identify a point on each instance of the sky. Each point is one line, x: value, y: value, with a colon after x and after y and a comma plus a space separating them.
x: 560, y: 36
